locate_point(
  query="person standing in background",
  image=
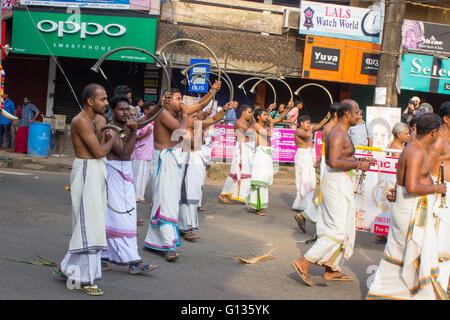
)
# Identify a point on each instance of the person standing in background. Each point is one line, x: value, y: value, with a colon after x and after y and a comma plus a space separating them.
x: 5, y: 123
x: 29, y: 114
x: 361, y: 134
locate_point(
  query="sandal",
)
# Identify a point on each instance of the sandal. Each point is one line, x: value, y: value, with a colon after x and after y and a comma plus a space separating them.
x: 140, y: 267
x: 300, y: 223
x: 305, y: 277
x: 140, y: 222
x: 92, y: 290
x: 190, y: 236
x: 260, y: 213
x: 106, y: 266
x: 172, y: 255
x: 141, y: 201
x: 341, y: 277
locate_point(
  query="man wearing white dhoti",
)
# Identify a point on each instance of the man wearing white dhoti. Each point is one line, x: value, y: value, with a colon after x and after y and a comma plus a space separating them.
x: 305, y: 173
x: 409, y: 267
x: 121, y: 215
x: 336, y: 217
x: 262, y: 169
x: 166, y: 176
x: 194, y: 171
x: 88, y: 192
x: 237, y: 184
x: 439, y: 155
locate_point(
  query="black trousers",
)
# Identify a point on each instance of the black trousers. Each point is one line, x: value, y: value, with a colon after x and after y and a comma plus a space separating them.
x: 5, y: 130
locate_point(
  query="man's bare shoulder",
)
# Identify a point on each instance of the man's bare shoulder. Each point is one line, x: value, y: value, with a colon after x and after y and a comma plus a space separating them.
x: 79, y: 121
x: 439, y: 145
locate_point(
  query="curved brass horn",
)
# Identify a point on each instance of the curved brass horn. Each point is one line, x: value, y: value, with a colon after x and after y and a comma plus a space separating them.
x: 273, y: 78
x: 119, y: 130
x: 241, y: 86
x: 7, y: 115
x: 314, y: 84
x: 96, y: 68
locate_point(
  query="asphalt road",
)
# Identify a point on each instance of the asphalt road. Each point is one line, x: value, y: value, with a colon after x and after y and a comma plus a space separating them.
x: 36, y: 219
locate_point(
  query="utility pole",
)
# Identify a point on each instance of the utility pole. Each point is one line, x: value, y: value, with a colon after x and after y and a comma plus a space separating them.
x: 390, y: 55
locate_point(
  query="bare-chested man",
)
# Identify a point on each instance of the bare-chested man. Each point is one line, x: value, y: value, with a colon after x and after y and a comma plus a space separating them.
x: 195, y: 170
x: 121, y: 214
x: 305, y: 173
x: 82, y: 263
x: 166, y: 174
x: 336, y: 216
x: 411, y: 254
x: 262, y: 171
x: 237, y: 184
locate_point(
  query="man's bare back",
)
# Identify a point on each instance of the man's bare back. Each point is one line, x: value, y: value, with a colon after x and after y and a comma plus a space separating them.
x: 437, y: 152
x: 413, y: 151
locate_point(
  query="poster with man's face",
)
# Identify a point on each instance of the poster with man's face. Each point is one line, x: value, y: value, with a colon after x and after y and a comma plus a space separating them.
x: 382, y: 120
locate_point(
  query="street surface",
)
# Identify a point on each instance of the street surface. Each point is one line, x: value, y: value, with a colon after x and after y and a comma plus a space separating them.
x: 36, y: 219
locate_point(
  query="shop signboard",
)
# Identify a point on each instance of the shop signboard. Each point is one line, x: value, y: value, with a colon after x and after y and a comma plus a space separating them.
x: 199, y: 84
x: 152, y: 6
x: 82, y: 36
x: 425, y: 73
x: 343, y: 22
x: 426, y: 38
x: 341, y: 60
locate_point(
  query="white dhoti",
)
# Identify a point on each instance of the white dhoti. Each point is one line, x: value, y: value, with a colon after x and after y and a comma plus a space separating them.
x: 141, y: 177
x: 88, y: 193
x: 237, y: 185
x: 305, y: 182
x: 121, y: 217
x: 191, y: 190
x: 261, y: 179
x: 335, y: 221
x: 163, y: 230
x: 409, y: 266
x: 444, y: 226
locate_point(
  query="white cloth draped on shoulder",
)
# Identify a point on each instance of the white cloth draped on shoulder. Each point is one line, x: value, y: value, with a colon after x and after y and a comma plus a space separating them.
x: 121, y: 216
x: 88, y: 193
x: 443, y: 215
x: 261, y: 179
x: 305, y: 182
x: 191, y: 190
x: 237, y: 185
x: 335, y: 226
x: 409, y: 267
x: 163, y: 229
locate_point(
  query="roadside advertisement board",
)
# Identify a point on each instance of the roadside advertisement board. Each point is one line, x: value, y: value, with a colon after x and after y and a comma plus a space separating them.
x: 343, y: 22
x: 425, y: 37
x: 82, y: 36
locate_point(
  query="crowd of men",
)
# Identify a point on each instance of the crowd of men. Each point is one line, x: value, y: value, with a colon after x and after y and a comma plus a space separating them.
x: 116, y: 160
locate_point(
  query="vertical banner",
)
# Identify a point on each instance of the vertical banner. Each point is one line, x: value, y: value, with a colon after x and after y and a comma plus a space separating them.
x: 373, y: 210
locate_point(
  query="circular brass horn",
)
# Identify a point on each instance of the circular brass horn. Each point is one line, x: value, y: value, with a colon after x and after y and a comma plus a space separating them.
x: 119, y: 130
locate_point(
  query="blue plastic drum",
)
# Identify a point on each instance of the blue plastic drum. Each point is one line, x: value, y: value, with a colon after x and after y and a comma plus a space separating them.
x: 39, y: 139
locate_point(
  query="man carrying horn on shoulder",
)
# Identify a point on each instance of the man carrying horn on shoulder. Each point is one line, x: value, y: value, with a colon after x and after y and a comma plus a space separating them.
x: 88, y: 192
x: 121, y: 214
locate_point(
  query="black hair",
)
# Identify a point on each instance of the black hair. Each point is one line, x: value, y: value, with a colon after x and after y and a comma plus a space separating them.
x: 297, y: 100
x: 147, y: 104
x: 444, y: 110
x: 427, y: 123
x: 258, y: 113
x: 334, y: 108
x: 136, y: 101
x: 412, y: 122
x: 344, y: 106
x: 90, y: 91
x: 245, y: 107
x: 116, y: 99
x: 303, y: 118
x: 122, y: 90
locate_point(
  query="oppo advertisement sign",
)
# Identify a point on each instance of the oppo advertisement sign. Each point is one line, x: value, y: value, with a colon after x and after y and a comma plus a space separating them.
x: 82, y: 36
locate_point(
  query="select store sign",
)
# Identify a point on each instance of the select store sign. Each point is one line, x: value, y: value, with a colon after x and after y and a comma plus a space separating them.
x: 340, y: 60
x: 425, y: 73
x: 83, y: 36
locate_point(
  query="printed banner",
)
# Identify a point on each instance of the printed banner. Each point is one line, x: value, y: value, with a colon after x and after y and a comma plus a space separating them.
x: 382, y: 120
x: 373, y: 210
x: 344, y: 22
x: 425, y: 37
